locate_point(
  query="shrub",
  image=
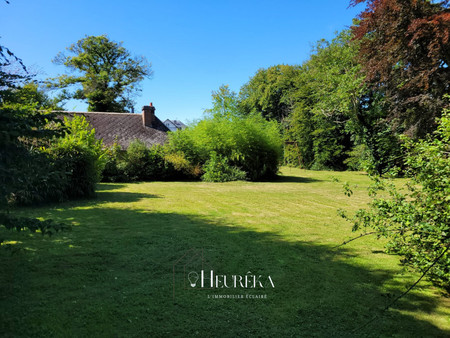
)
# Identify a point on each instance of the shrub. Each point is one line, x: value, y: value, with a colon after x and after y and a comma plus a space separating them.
x: 249, y: 143
x: 137, y: 160
x: 80, y: 155
x: 80, y: 166
x: 142, y: 163
x: 181, y: 168
x: 45, y: 181
x: 114, y: 165
x: 146, y: 164
x: 218, y: 169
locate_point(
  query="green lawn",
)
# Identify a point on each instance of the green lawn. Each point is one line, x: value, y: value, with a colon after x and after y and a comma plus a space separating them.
x: 121, y: 270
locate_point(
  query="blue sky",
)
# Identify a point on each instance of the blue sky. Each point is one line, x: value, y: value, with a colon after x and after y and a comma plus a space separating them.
x: 194, y: 46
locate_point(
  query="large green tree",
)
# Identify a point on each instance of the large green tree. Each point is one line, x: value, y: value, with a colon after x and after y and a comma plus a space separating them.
x: 106, y: 74
x: 270, y: 92
x: 326, y: 104
x: 405, y: 54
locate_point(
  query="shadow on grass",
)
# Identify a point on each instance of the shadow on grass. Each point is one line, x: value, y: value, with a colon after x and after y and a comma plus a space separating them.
x: 103, y: 186
x: 119, y: 197
x: 294, y: 179
x: 113, y: 276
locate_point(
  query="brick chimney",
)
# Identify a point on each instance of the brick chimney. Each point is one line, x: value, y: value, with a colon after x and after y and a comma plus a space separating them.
x: 148, y: 115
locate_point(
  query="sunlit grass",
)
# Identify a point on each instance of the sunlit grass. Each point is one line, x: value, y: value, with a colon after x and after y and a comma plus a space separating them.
x: 112, y: 275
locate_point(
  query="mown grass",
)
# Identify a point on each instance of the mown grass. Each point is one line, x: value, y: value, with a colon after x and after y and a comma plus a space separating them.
x: 119, y: 272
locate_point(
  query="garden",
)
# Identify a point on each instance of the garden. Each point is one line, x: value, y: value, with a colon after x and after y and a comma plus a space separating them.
x: 113, y: 273
x: 313, y: 202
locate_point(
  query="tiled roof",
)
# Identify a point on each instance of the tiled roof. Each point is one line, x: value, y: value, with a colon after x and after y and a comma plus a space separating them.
x: 124, y: 128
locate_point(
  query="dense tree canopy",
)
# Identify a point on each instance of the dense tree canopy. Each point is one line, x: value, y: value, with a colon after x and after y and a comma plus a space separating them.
x: 106, y: 71
x: 405, y: 54
x: 269, y: 92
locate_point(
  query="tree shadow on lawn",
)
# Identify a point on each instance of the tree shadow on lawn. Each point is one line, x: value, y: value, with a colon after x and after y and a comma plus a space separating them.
x: 114, y: 276
x: 107, y: 193
x: 104, y: 186
x: 294, y: 179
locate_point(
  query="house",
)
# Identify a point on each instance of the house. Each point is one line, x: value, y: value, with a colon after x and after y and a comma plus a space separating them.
x: 124, y: 128
x: 174, y: 125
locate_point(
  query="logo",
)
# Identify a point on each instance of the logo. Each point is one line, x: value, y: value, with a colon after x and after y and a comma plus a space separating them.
x: 193, y: 272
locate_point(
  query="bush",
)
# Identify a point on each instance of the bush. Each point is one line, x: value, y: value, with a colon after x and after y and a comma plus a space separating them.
x: 80, y: 166
x: 67, y: 166
x: 114, y: 164
x: 80, y: 156
x: 181, y: 168
x: 45, y: 181
x: 140, y: 163
x: 251, y: 144
x: 217, y: 169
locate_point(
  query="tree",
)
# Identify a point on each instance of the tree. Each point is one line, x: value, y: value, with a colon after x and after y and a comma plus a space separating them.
x: 337, y: 121
x: 416, y: 222
x: 8, y: 77
x: 225, y: 103
x: 22, y: 126
x: 31, y: 93
x: 107, y: 73
x: 270, y: 92
x: 405, y: 54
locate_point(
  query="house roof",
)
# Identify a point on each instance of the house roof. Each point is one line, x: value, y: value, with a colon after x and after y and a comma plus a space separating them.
x: 178, y: 124
x: 124, y: 128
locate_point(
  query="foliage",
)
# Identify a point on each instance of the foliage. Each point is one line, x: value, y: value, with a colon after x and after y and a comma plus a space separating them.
x: 114, y: 164
x: 299, y: 131
x: 249, y: 143
x: 225, y: 103
x: 270, y: 92
x: 22, y: 128
x: 80, y: 155
x: 11, y: 77
x: 182, y: 168
x: 333, y: 77
x: 417, y: 222
x: 107, y: 73
x: 142, y: 163
x: 29, y: 93
x: 218, y: 169
x: 405, y: 56
x: 326, y: 104
x: 334, y: 113
x: 45, y: 227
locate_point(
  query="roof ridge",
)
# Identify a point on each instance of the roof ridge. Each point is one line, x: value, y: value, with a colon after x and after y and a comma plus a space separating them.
x: 92, y: 112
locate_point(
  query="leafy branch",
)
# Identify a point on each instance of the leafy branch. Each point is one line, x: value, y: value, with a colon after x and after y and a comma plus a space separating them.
x: 387, y: 307
x: 45, y: 227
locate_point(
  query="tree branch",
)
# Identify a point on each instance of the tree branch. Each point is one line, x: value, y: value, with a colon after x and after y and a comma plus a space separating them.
x: 355, y: 238
x: 403, y: 294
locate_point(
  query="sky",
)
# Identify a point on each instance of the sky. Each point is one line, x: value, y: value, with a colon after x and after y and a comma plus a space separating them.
x: 194, y: 46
